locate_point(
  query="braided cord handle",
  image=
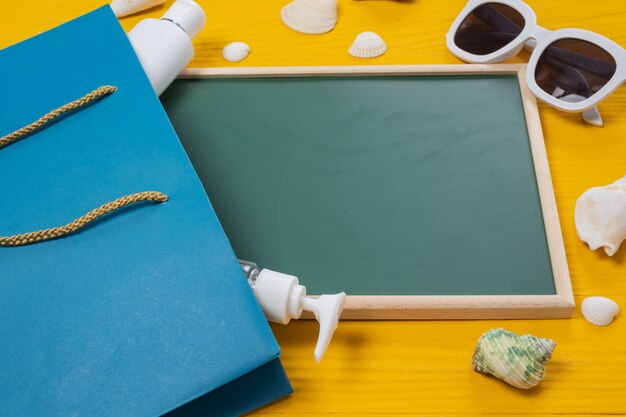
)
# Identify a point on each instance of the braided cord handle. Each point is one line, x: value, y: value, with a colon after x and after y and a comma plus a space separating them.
x: 49, y: 117
x: 61, y: 231
x: 57, y: 232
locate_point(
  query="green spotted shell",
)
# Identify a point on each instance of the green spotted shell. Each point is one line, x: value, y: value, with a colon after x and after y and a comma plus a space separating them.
x: 518, y: 360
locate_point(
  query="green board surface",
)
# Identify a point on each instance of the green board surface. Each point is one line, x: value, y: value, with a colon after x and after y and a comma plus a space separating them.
x: 412, y: 185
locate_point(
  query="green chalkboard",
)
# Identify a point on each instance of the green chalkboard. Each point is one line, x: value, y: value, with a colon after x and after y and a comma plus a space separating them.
x: 394, y: 185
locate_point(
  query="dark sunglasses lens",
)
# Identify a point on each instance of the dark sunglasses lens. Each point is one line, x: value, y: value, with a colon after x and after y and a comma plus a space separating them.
x: 488, y: 28
x: 574, y: 70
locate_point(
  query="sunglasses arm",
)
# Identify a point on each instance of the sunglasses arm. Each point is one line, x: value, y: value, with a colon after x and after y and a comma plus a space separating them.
x: 592, y: 116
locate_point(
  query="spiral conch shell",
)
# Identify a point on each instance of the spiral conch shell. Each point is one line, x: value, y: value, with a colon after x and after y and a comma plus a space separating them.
x: 517, y: 360
x: 310, y: 16
x: 600, y: 216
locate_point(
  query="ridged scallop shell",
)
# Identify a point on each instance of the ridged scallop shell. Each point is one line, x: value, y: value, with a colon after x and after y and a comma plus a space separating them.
x: 600, y: 216
x: 310, y: 16
x: 599, y: 310
x: 123, y: 8
x: 235, y: 52
x: 367, y: 45
x: 517, y: 360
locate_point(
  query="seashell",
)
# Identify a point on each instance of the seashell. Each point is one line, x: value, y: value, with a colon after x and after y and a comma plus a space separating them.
x: 367, y: 45
x: 599, y: 310
x: 517, y: 360
x: 125, y: 7
x: 600, y: 216
x: 310, y: 16
x: 236, y: 51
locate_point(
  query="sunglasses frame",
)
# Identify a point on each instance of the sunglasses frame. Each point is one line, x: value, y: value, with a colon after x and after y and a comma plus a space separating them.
x: 537, y: 39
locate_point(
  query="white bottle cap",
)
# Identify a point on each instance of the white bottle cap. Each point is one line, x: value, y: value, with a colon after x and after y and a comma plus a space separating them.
x: 279, y: 296
x: 188, y: 15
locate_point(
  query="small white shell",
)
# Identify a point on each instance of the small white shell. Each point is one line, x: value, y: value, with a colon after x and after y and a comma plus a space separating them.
x: 236, y: 51
x: 367, y: 45
x: 310, y: 16
x: 600, y: 216
x: 599, y: 310
x: 125, y: 7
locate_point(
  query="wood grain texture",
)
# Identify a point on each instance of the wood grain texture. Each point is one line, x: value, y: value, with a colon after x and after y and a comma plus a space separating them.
x: 424, y: 368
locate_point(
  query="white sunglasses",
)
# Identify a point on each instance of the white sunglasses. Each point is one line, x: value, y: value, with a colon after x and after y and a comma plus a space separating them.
x: 570, y: 69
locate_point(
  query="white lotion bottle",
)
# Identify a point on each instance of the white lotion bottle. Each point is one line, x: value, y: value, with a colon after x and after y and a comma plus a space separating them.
x: 164, y: 46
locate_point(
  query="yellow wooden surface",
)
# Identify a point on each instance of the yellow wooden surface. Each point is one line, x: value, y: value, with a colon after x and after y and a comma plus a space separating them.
x: 424, y: 368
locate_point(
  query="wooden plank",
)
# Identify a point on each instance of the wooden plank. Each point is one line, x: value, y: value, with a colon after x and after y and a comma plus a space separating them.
x: 423, y: 368
x: 552, y: 224
x: 457, y: 307
x: 325, y: 71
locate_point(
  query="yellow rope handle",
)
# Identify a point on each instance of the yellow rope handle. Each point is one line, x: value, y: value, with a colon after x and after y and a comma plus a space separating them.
x: 49, y: 117
x: 57, y: 232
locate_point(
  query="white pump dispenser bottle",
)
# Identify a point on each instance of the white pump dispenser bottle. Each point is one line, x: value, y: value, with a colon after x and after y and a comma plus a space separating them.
x: 282, y: 298
x: 163, y: 46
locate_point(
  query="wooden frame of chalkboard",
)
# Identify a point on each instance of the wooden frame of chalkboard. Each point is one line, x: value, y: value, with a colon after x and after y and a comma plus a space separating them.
x: 559, y: 305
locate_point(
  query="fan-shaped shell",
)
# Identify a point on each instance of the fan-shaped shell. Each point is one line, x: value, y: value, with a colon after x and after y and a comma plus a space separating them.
x: 125, y: 7
x: 236, y: 51
x: 599, y: 310
x: 600, y: 216
x: 517, y: 360
x: 367, y: 45
x: 310, y: 16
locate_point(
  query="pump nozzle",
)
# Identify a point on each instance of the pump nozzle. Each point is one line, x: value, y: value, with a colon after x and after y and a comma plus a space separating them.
x: 282, y: 298
x: 327, y: 310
